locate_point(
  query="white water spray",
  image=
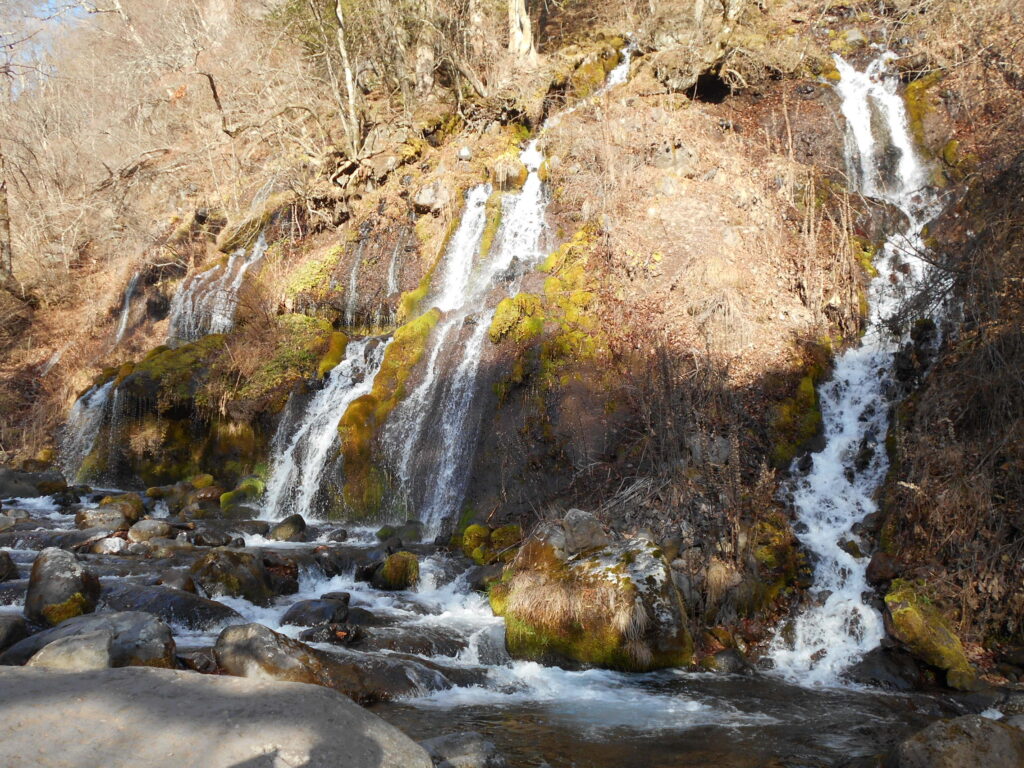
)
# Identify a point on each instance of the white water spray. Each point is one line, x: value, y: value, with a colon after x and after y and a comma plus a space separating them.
x: 83, y: 427
x: 126, y: 306
x: 839, y: 489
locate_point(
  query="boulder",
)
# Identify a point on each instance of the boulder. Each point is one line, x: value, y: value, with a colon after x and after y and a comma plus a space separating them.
x: 432, y: 198
x: 76, y: 653
x: 236, y: 574
x: 971, y: 741
x: 881, y: 568
x: 253, y: 650
x: 6, y: 523
x: 310, y: 613
x: 888, y: 668
x: 399, y: 571
x: 177, y: 580
x: 583, y: 532
x: 111, y: 545
x: 59, y: 588
x: 12, y: 630
x: 8, y: 570
x: 15, y: 484
x: 174, y: 606
x: 108, y: 518
x: 138, y: 639
x: 926, y: 634
x: 292, y: 528
x: 144, y: 530
x: 130, y: 504
x: 188, y: 720
x: 463, y: 750
x: 618, y: 608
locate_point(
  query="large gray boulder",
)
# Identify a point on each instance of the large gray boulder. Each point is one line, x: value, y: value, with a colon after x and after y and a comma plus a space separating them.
x: 971, y: 741
x: 59, y: 588
x: 138, y: 639
x: 95, y: 718
x: 175, y: 606
x: 12, y: 630
x: 235, y: 574
x: 77, y: 653
x: 17, y: 484
x: 583, y: 532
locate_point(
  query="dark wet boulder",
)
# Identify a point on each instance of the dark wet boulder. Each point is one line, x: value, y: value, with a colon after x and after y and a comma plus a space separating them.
x: 338, y: 597
x: 171, y: 605
x: 13, y: 591
x: 481, y: 577
x: 206, y: 537
x: 177, y: 579
x: 283, y: 571
x: 64, y: 499
x: 130, y: 504
x: 13, y: 629
x: 292, y: 528
x: 59, y: 588
x: 122, y: 718
x: 16, y: 484
x: 971, y: 741
x: 881, y: 568
x: 138, y: 639
x: 77, y: 653
x: 727, y: 662
x: 399, y: 571
x: 463, y: 750
x: 8, y: 570
x: 236, y: 574
x: 414, y: 640
x: 234, y: 527
x: 255, y: 650
x: 888, y: 668
x: 336, y: 634
x: 310, y: 613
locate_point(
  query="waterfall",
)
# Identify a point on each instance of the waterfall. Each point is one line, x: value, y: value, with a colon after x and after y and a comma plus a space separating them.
x: 206, y: 302
x: 352, y: 300
x: 439, y: 414
x: 835, y: 494
x: 303, y: 447
x: 83, y: 427
x: 126, y: 306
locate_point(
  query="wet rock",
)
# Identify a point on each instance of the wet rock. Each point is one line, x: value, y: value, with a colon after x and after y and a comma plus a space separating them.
x: 6, y: 523
x: 111, y: 545
x: 971, y: 741
x: 728, y: 662
x: 338, y: 597
x: 8, y: 570
x: 463, y: 750
x: 175, y: 606
x: 108, y: 518
x: 236, y: 574
x: 59, y: 588
x: 411, y: 532
x: 365, y: 618
x: 130, y: 504
x: 292, y: 528
x: 144, y: 530
x: 76, y: 653
x: 481, y: 577
x: 888, y: 668
x: 418, y: 641
x: 15, y: 484
x: 338, y: 536
x: 64, y: 499
x: 283, y: 572
x: 926, y: 634
x: 210, y: 538
x: 190, y: 720
x: 138, y: 639
x: 337, y: 634
x: 163, y: 547
x: 255, y: 650
x: 13, y: 591
x: 309, y: 613
x: 399, y: 571
x: 12, y: 630
x: 176, y: 579
x: 881, y: 569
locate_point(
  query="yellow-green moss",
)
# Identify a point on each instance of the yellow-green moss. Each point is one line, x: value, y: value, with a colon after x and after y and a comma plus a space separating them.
x: 177, y: 372
x: 335, y: 354
x: 298, y: 356
x: 400, y: 571
x: 314, y: 276
x: 76, y: 605
x: 244, y: 234
x: 198, y: 482
x: 592, y: 73
x: 249, y: 489
x: 918, y: 106
x: 492, y: 224
x: 519, y: 317
x: 365, y: 484
x: 926, y: 633
x: 865, y: 251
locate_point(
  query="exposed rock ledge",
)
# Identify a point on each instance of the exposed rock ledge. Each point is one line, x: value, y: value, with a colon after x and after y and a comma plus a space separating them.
x: 166, y: 719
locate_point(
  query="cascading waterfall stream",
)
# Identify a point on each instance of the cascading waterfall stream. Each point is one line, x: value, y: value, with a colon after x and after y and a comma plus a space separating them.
x: 839, y: 489
x: 301, y: 453
x: 206, y: 302
x: 126, y: 306
x: 83, y: 427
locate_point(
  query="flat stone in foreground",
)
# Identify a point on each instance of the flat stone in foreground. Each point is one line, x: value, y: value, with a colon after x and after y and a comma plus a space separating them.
x: 163, y: 718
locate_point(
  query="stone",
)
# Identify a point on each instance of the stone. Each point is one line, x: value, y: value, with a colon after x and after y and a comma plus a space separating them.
x: 108, y: 518
x: 881, y: 568
x: 12, y: 630
x: 236, y: 574
x: 399, y: 571
x: 465, y: 154
x: 971, y: 741
x: 463, y: 750
x: 854, y: 37
x: 59, y: 588
x: 432, y: 198
x: 292, y: 528
x: 189, y: 720
x: 310, y: 613
x: 210, y: 538
x: 253, y: 650
x: 138, y: 639
x: 922, y: 629
x: 6, y: 522
x: 16, y: 484
x: 130, y: 504
x: 887, y: 668
x: 144, y: 530
x: 111, y: 545
x: 175, y: 606
x: 177, y: 579
x: 583, y: 532
x: 8, y: 570
x: 76, y: 653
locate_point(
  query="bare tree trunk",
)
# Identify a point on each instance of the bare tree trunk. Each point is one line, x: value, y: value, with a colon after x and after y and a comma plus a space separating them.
x: 476, y: 31
x: 425, y: 50
x: 350, y: 86
x: 520, y: 31
x: 6, y: 252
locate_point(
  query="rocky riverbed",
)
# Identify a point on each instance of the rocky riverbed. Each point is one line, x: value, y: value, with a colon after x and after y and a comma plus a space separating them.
x: 95, y: 582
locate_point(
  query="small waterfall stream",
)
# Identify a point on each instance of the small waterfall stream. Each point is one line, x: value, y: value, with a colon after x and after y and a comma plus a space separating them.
x: 83, y: 427
x: 126, y: 306
x: 207, y: 301
x: 834, y: 494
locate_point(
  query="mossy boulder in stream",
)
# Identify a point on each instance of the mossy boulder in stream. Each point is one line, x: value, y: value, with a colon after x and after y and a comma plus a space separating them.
x: 614, y: 607
x: 250, y: 489
x: 925, y: 633
x: 400, y: 571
